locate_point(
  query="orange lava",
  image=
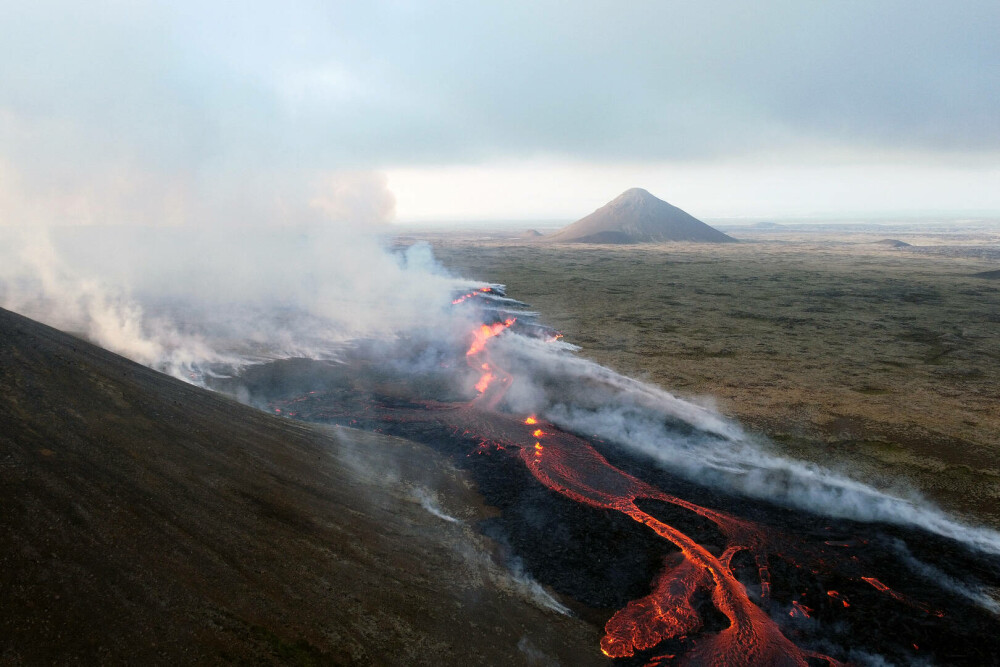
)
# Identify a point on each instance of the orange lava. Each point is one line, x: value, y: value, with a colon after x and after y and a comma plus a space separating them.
x: 484, y: 382
x: 480, y: 336
x: 576, y: 470
x: 573, y: 468
x: 837, y: 596
x: 470, y: 295
x: 484, y: 333
x: 799, y: 610
x: 665, y: 613
x: 878, y: 584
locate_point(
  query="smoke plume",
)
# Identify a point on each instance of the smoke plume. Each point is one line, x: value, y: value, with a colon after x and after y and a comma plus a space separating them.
x: 698, y: 443
x: 192, y: 299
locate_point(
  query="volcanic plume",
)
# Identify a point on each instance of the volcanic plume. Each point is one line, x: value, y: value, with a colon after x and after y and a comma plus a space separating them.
x: 636, y: 216
x: 677, y: 565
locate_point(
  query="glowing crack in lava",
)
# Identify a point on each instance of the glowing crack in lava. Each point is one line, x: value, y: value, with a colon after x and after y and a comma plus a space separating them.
x: 480, y: 336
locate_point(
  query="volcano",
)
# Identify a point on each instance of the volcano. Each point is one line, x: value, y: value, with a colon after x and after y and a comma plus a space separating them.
x: 636, y: 216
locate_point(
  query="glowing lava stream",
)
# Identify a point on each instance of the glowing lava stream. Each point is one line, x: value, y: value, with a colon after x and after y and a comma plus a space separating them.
x: 573, y: 468
x: 477, y: 349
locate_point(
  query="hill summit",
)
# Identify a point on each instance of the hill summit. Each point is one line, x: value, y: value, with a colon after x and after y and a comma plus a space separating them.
x: 636, y: 216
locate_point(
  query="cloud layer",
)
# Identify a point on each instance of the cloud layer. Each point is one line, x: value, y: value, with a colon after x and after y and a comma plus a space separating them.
x: 117, y: 111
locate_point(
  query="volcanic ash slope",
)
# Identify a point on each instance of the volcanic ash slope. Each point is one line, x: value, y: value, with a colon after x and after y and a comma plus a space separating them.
x: 147, y: 521
x: 636, y: 216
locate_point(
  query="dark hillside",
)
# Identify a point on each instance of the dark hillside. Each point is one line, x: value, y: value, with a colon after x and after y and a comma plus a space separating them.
x: 148, y: 521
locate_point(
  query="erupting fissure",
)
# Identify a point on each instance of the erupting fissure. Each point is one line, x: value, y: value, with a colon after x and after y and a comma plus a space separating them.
x: 469, y: 295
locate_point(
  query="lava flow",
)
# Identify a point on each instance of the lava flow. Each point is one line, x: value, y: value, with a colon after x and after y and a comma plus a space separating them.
x: 571, y: 467
x: 480, y: 337
x: 743, y: 593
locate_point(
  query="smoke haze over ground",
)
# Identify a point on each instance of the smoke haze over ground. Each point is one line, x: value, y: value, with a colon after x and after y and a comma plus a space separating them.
x: 181, y: 299
x: 205, y: 301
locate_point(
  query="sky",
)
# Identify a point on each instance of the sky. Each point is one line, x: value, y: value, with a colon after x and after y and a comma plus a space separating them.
x: 132, y: 112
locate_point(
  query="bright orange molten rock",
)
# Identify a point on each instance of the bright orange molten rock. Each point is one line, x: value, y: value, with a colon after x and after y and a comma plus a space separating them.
x: 572, y: 467
x: 484, y: 333
x: 480, y: 336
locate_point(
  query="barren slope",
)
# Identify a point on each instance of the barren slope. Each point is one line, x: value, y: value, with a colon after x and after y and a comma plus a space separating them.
x: 148, y: 521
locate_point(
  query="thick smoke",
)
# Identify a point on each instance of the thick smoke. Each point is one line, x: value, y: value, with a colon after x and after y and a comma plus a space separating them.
x: 195, y: 299
x: 36, y: 281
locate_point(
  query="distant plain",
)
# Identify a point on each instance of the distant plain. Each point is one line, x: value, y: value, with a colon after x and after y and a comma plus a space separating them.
x: 832, y: 347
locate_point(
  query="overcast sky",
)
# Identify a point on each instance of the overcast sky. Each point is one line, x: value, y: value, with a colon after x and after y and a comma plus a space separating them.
x: 177, y: 113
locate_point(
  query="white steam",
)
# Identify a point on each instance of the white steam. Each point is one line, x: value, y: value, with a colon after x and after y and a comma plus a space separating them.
x: 533, y: 655
x: 697, y: 443
x: 429, y: 502
x: 34, y: 280
x: 532, y: 590
x: 986, y: 597
x: 186, y: 299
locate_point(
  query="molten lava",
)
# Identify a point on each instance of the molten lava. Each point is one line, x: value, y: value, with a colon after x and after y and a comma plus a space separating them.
x: 480, y: 336
x: 675, y: 617
x: 573, y: 468
x: 837, y: 596
x: 484, y: 333
x: 469, y: 295
x: 484, y: 382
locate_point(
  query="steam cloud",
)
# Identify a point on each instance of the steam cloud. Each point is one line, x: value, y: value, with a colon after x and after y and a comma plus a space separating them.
x: 191, y: 300
x: 430, y: 503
